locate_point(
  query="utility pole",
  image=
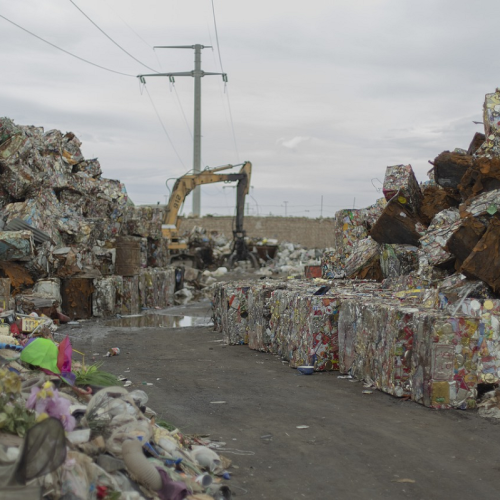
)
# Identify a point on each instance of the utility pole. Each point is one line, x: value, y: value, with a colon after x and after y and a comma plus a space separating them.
x: 197, y: 74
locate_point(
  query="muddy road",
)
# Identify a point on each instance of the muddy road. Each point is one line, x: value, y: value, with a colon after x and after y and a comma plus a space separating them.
x: 293, y: 436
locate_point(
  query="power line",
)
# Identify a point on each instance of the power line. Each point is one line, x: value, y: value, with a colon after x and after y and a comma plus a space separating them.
x: 109, y: 38
x: 65, y: 51
x: 225, y: 86
x: 163, y: 126
x: 128, y: 26
x: 217, y: 35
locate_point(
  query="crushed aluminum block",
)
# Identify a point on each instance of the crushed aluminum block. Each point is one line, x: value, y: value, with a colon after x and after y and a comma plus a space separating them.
x: 259, y: 315
x: 444, y: 360
x: 437, y: 199
x: 491, y: 117
x: 465, y: 237
x: 482, y: 176
x: 90, y: 167
x: 145, y: 221
x: 107, y: 296
x: 16, y: 245
x: 484, y: 261
x: 433, y: 243
x: 316, y: 342
x: 235, y: 318
x: 105, y: 259
x: 146, y: 289
x: 476, y: 143
x: 77, y: 297
x: 401, y: 181
x: 449, y: 168
x: 49, y: 288
x: 130, y: 300
x: 157, y: 253
x: 397, y: 224
x: 398, y: 260
x: 364, y: 261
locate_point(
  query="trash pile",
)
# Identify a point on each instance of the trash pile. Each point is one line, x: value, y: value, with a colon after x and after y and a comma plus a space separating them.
x: 285, y: 257
x: 68, y: 430
x: 71, y: 239
x: 407, y: 300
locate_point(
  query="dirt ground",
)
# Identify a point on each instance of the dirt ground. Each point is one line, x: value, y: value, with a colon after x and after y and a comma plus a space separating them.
x: 355, y: 445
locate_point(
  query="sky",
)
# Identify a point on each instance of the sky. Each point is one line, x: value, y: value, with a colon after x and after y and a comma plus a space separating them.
x: 321, y: 95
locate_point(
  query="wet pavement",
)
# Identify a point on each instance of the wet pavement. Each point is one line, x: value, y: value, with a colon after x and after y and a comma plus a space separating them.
x: 292, y: 436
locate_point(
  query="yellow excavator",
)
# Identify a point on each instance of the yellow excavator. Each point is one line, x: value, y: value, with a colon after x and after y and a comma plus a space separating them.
x: 184, y: 185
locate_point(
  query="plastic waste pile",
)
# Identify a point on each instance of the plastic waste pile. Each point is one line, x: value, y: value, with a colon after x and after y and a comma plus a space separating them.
x: 408, y: 298
x: 62, y: 222
x: 68, y: 430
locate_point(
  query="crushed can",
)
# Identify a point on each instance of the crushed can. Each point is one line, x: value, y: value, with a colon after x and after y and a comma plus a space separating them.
x: 114, y: 351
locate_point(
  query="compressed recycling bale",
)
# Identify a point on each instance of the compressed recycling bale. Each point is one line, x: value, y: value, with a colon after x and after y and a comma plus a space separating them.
x: 157, y: 253
x: 449, y: 168
x: 146, y: 289
x: 482, y: 176
x: 235, y: 322
x: 259, y: 315
x: 16, y: 245
x: 444, y: 358
x: 465, y: 237
x: 107, y: 296
x: 316, y: 341
x: 77, y: 297
x: 128, y: 254
x: 484, y: 261
x: 433, y: 242
x: 90, y: 167
x: 364, y: 261
x: 398, y: 260
x: 130, y: 302
x: 437, y: 199
x: 483, y: 204
x: 491, y: 118
x: 145, y: 221
x: 397, y: 224
x: 401, y: 181
x: 476, y: 143
x: 104, y: 260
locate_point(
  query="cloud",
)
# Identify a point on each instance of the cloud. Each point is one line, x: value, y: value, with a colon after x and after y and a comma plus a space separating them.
x: 320, y: 99
x: 292, y: 143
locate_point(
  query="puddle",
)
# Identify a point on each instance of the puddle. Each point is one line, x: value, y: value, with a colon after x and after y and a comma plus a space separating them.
x: 160, y: 321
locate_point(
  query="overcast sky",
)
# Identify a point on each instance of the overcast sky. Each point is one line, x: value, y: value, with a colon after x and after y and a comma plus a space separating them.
x: 322, y: 95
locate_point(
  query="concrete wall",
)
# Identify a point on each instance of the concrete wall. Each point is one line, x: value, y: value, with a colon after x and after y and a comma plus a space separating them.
x: 311, y: 233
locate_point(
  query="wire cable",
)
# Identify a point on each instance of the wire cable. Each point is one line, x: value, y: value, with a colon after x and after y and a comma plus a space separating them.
x: 163, y: 126
x: 217, y: 36
x: 109, y: 38
x: 65, y: 51
x: 225, y: 87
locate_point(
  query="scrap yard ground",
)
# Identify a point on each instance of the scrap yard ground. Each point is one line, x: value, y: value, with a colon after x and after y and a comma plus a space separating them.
x: 355, y: 446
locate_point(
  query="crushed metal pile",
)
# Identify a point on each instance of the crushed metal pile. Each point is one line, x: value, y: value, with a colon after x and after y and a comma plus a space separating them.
x: 71, y: 240
x: 72, y: 247
x: 408, y: 298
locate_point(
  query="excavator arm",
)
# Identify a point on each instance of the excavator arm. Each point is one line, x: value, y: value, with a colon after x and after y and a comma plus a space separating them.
x: 185, y: 184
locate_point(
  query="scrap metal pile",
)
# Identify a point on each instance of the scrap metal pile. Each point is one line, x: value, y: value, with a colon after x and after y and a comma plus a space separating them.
x: 61, y: 221
x: 408, y: 296
x: 72, y: 247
